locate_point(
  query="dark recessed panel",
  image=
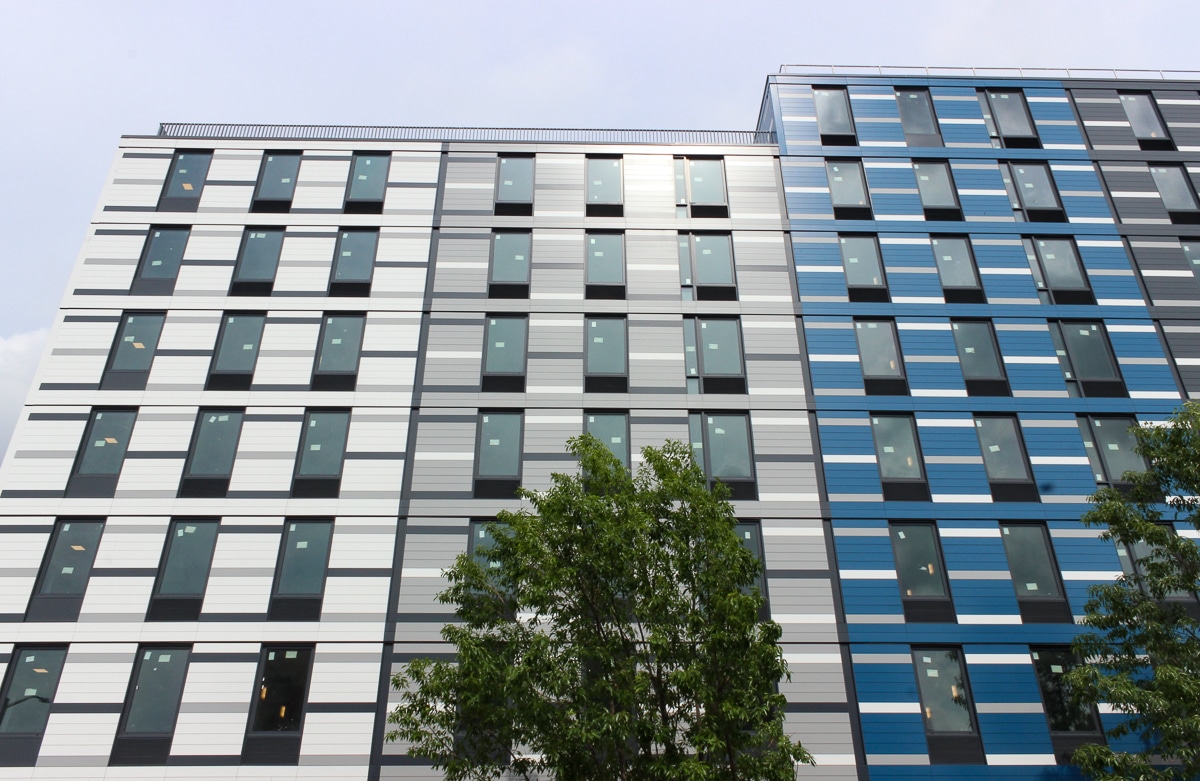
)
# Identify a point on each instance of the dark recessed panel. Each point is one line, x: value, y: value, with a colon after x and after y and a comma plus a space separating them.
x: 349, y: 289
x: 43, y: 608
x: 905, y: 492
x: 708, y: 210
x: 1045, y: 611
x: 605, y: 384
x: 252, y: 288
x: 117, y: 380
x: 886, y: 387
x: 316, y: 487
x: 988, y: 388
x: 295, y: 609
x: 140, y: 751
x: 929, y: 611
x: 175, y: 609
x: 229, y: 382
x: 514, y: 210
x: 1014, y: 492
x: 364, y: 207
x: 955, y: 750
x: 605, y: 210
x: 604, y: 292
x: 502, y: 383
x: 496, y: 489
x: 334, y: 382
x: 504, y: 290
x: 271, y: 750
x: 203, y: 487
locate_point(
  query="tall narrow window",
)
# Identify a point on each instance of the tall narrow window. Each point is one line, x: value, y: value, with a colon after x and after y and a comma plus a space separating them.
x: 498, y: 454
x: 132, y: 352
x: 706, y: 270
x: 865, y: 279
x: 1176, y: 193
x: 236, y: 354
x: 956, y: 270
x: 63, y: 579
x: 949, y: 715
x: 25, y: 699
x: 611, y: 428
x: 979, y: 358
x: 917, y: 118
x: 1035, y: 574
x: 879, y: 355
x: 481, y: 541
x: 848, y: 190
x: 749, y: 534
x: 1147, y: 125
x: 353, y: 263
x: 921, y: 574
x: 604, y: 187
x: 939, y: 198
x: 1071, y: 724
x: 183, y: 572
x: 1032, y: 191
x: 1007, y: 118
x: 210, y: 458
x: 700, y: 186
x: 504, y: 353
x: 713, y: 355
x: 835, y: 123
x: 158, y: 266
x: 604, y: 274
x: 514, y: 185
x: 102, y: 453
x: 147, y: 723
x: 277, y: 709
x: 336, y: 364
x: 1004, y: 459
x: 185, y: 181
x: 509, y: 275
x: 322, y: 447
x: 1111, y: 448
x: 721, y: 445
x: 1057, y: 272
x: 606, y: 357
x: 1135, y: 559
x: 1086, y: 358
x: 899, y: 456
x: 276, y: 182
x: 257, y: 262
x: 300, y: 572
x: 368, y: 183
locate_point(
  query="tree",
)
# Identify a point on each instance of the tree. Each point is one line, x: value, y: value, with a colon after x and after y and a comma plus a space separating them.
x: 1144, y: 653
x: 613, y: 633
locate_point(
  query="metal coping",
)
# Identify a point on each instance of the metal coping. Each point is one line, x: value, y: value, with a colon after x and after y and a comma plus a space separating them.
x: 993, y: 73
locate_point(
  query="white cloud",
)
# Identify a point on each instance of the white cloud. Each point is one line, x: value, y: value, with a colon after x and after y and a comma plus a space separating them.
x: 19, y: 356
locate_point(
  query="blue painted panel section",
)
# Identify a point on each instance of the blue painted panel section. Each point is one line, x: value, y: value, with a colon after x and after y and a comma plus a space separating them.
x: 1022, y: 344
x: 981, y: 190
x: 900, y: 177
x: 978, y: 597
x: 867, y: 109
x: 824, y: 342
x: 909, y: 251
x: 886, y: 682
x: 1053, y: 444
x: 930, y: 375
x: 959, y: 103
x: 1003, y: 269
x: 1110, y: 271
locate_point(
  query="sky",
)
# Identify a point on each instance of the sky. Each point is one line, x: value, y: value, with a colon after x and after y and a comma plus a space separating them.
x: 75, y: 76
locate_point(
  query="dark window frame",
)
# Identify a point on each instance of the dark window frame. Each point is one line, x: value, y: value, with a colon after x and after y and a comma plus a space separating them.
x: 157, y: 286
x: 1047, y: 293
x: 184, y: 607
x: 703, y: 381
x: 61, y: 607
x: 261, y: 205
x: 1189, y: 216
x: 684, y: 199
x: 739, y: 488
x: 170, y: 203
x: 954, y: 294
x: 605, y: 382
x: 952, y: 748
x: 508, y: 289
x: 503, y: 382
x: 97, y: 486
x: 883, y: 385
x: 940, y: 213
x: 129, y: 379
x: 836, y: 139
x: 1016, y: 195
x: 147, y: 748
x: 1064, y: 742
x: 1148, y: 143
x: 21, y: 749
x: 351, y: 205
x: 691, y: 287
x: 983, y: 386
x: 853, y: 211
x: 1010, y: 489
x: 321, y: 486
x: 999, y: 138
x: 921, y: 139
x: 351, y: 288
x: 209, y: 486
x: 1107, y: 478
x: 279, y: 747
x: 758, y: 548
x: 1041, y: 609
x: 490, y: 486
x: 587, y: 413
x: 924, y: 608
x: 913, y: 489
x: 1114, y: 388
x: 227, y: 380
x: 514, y: 208
x: 605, y: 209
x: 291, y: 607
x: 880, y: 293
x: 255, y: 287
x: 326, y: 380
x: 611, y: 291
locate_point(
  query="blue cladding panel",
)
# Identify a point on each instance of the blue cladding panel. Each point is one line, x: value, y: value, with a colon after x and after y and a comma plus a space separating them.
x: 960, y: 117
x: 893, y: 176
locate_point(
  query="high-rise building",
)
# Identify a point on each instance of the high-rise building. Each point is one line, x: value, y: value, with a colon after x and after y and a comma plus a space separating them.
x: 908, y: 320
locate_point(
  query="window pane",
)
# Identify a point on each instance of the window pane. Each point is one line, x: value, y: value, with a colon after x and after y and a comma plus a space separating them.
x: 31, y: 689
x: 1089, y: 352
x: 955, y: 266
x: 714, y: 259
x: 935, y: 185
x: 164, y: 252
x: 833, y: 112
x: 1173, y: 187
x: 916, y: 112
x: 189, y: 557
x: 354, y: 258
x: 1035, y: 187
x: 1029, y: 561
x: 1142, y: 116
x: 71, y: 558
x: 750, y: 535
x: 240, y: 338
x: 605, y: 259
x: 305, y: 554
x: 137, y: 339
x: 323, y: 444
x: 860, y: 258
x: 278, y: 177
x: 157, y: 691
x: 1061, y: 264
x: 499, y: 445
x: 918, y: 562
x: 611, y: 428
x: 603, y: 181
x: 368, y: 179
x: 1051, y: 666
x: 896, y: 447
x: 516, y: 180
x: 1115, y: 444
x: 1191, y: 252
x: 260, y: 256
x: 728, y: 446
x: 1008, y: 109
x: 510, y: 257
x: 707, y: 180
x: 481, y: 541
x: 216, y: 443
x: 943, y: 690
x: 877, y: 349
x: 505, y: 346
x: 720, y: 348
x: 282, y: 690
x: 605, y: 346
x: 977, y: 354
x: 105, y: 442
x: 188, y: 171
x: 1003, y: 457
x: 340, y: 343
x: 847, y: 187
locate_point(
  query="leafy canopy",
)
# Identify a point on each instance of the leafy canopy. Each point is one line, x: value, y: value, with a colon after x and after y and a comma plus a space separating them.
x: 612, y: 633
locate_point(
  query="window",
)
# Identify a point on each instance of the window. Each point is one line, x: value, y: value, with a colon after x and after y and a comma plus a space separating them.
x: 210, y: 457
x: 159, y: 263
x: 835, y: 123
x: 481, y: 541
x: 66, y: 568
x: 706, y: 267
x: 1147, y: 125
x: 147, y: 724
x: 848, y: 190
x: 700, y: 183
x: 605, y: 266
x: 29, y: 688
x: 611, y: 428
x: 258, y: 259
x: 865, y: 279
x: 1087, y: 361
x: 1057, y: 272
x: 921, y: 573
x: 979, y: 358
x: 1176, y: 192
x: 336, y: 365
x: 322, y: 446
x: 899, y: 457
x: 1007, y: 119
x: 1004, y: 458
x: 509, y: 275
x: 1135, y: 559
x: 132, y: 352
x: 276, y: 182
x: 604, y: 187
x: 514, y: 185
x: 721, y: 445
x: 300, y: 572
x: 956, y: 270
x: 606, y: 358
x: 504, y: 346
x: 183, y: 571
x: 939, y: 198
x: 1032, y: 192
x: 1111, y: 447
x: 1071, y: 725
x: 946, y: 706
x: 101, y: 453
x: 498, y: 454
x: 749, y: 533
x: 368, y: 183
x: 917, y: 118
x: 713, y: 355
x: 185, y: 182
x: 879, y: 354
x: 353, y: 263
x: 277, y: 706
x: 1035, y: 574
x: 236, y: 354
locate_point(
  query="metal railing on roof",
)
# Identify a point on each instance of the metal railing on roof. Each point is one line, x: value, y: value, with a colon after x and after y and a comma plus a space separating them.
x: 501, y: 134
x: 991, y: 73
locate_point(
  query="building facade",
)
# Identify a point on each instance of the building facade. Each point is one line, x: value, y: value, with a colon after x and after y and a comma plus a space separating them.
x: 908, y: 320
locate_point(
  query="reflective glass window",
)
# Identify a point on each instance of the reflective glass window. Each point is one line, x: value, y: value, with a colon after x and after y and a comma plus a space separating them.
x: 1143, y: 117
x: 105, y: 441
x: 1035, y: 187
x: 214, y: 445
x: 504, y: 345
x: 341, y: 340
x: 719, y: 347
x: 303, y: 559
x: 847, y: 185
x: 945, y: 702
x: 282, y: 689
x: 1064, y: 715
x: 70, y: 557
x: 878, y: 348
x: 499, y: 445
x: 1003, y: 453
x: 706, y: 181
x: 955, y: 264
x: 935, y: 185
x: 354, y: 256
x: 1172, y: 184
x: 978, y: 355
x: 604, y: 346
x: 368, y: 177
x: 188, y: 171
x: 605, y: 259
x: 323, y: 443
x: 713, y: 259
x: 1030, y: 560
x: 860, y: 259
x: 163, y: 253
x: 1087, y: 346
x: 1111, y: 447
x: 510, y: 257
x: 916, y: 113
x: 833, y: 112
x: 604, y: 180
x: 896, y: 447
x: 515, y: 180
x: 137, y: 338
x: 237, y: 348
x: 611, y: 428
x: 722, y: 443
x: 190, y: 546
x: 1060, y: 268
x: 919, y: 567
x: 1010, y: 113
x: 157, y: 690
x: 259, y: 256
x: 32, y: 684
x: 278, y: 179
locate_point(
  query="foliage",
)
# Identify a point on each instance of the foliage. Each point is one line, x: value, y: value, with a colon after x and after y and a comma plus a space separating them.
x: 613, y: 633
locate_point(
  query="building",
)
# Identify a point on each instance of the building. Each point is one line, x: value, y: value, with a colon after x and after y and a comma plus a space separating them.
x: 908, y: 319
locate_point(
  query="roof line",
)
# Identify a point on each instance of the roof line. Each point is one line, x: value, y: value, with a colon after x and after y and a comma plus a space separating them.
x: 972, y: 72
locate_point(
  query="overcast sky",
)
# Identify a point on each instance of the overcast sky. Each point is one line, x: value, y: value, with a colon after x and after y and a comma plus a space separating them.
x: 75, y: 76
